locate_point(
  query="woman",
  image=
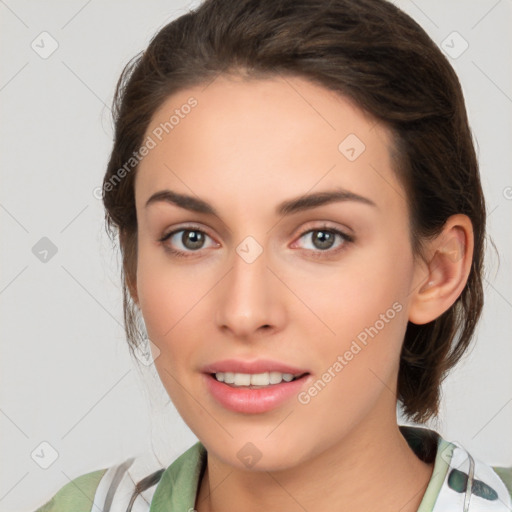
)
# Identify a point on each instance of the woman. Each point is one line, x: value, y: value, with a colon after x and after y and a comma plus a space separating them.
x: 299, y: 209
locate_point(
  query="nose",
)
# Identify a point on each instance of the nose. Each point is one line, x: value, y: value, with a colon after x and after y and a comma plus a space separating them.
x: 249, y: 299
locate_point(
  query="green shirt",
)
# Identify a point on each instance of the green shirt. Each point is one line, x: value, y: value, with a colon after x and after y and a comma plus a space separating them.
x: 451, y: 487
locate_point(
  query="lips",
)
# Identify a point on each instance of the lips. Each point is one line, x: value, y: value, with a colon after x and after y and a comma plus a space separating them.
x: 258, y: 366
x: 253, y: 399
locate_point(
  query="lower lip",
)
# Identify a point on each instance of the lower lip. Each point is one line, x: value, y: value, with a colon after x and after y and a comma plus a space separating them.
x: 253, y: 401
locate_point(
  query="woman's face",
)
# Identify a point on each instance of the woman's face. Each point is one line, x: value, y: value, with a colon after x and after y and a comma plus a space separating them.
x: 302, y: 286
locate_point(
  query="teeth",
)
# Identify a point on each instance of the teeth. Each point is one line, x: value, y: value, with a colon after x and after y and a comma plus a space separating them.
x: 275, y: 377
x: 253, y: 379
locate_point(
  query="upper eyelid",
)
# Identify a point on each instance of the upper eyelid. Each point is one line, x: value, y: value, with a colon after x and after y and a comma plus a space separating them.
x: 324, y: 225
x: 304, y: 231
x: 346, y: 237
x: 190, y: 227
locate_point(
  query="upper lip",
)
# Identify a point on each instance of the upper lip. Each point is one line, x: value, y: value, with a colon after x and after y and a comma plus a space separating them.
x: 253, y: 367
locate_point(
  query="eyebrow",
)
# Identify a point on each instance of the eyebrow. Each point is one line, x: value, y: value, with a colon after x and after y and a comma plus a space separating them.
x: 288, y: 207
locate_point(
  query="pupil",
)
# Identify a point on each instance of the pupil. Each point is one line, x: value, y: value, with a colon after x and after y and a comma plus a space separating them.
x: 325, y: 239
x: 192, y: 239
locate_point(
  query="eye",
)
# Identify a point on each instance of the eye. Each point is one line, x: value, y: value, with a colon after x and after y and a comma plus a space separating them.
x: 324, y: 238
x: 191, y: 239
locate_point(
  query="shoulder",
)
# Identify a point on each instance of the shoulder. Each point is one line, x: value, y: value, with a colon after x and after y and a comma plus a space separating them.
x: 505, y: 474
x: 77, y: 495
x: 459, y: 480
x: 108, y: 488
x: 469, y: 480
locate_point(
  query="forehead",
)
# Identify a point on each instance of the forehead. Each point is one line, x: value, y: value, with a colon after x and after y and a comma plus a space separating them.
x: 281, y: 136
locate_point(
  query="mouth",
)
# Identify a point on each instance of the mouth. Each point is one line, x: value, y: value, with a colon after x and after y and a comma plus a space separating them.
x: 254, y: 393
x: 255, y: 380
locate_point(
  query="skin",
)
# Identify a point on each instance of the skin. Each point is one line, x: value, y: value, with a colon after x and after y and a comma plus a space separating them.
x: 246, y: 147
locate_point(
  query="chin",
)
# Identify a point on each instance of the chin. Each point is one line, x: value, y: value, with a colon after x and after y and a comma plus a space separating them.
x: 257, y: 452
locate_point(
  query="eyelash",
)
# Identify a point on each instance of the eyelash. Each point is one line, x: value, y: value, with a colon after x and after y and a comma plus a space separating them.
x: 347, y: 239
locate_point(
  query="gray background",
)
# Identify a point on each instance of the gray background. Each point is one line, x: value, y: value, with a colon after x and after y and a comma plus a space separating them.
x: 66, y: 375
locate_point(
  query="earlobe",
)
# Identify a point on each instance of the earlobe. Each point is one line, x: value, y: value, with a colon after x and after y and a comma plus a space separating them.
x: 444, y: 276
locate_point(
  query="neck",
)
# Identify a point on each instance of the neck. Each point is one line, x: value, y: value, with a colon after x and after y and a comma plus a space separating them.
x: 369, y: 469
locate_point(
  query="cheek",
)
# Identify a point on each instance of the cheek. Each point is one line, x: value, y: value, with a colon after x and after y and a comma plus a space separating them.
x: 161, y: 298
x: 164, y: 292
x: 172, y: 297
x: 343, y: 300
x: 164, y: 303
x: 358, y: 365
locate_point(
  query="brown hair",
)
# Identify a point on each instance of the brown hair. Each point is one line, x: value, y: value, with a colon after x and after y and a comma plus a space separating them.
x: 370, y: 52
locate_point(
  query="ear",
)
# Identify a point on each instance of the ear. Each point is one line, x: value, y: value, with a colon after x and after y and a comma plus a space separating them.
x: 441, y: 279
